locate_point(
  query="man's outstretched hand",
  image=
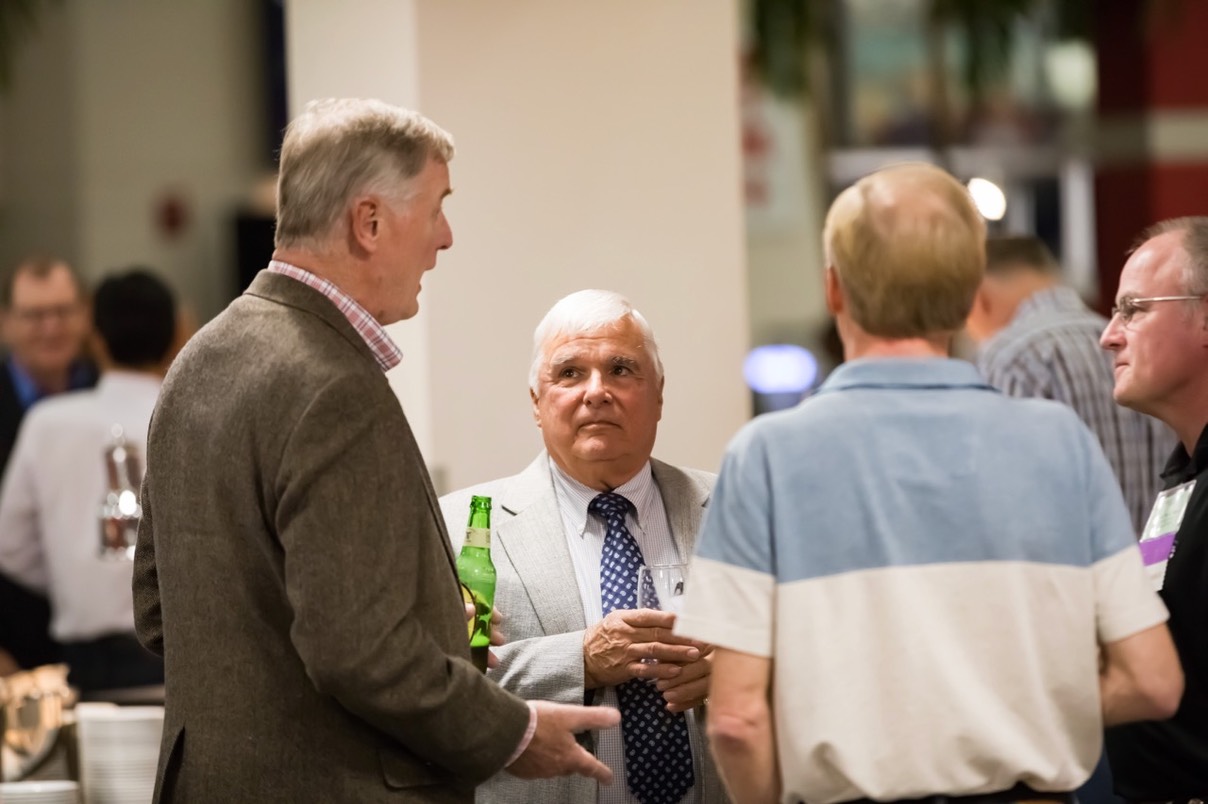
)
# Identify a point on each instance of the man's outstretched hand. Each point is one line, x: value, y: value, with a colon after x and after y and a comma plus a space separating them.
x: 553, y: 750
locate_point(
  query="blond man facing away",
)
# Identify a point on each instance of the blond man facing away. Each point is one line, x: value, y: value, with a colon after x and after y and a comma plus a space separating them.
x: 919, y: 588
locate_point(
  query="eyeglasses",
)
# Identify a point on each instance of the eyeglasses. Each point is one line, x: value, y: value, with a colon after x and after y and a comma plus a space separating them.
x: 1128, y: 307
x: 36, y: 315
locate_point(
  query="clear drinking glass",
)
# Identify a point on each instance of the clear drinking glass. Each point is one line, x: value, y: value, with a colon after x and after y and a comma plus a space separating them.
x: 661, y: 586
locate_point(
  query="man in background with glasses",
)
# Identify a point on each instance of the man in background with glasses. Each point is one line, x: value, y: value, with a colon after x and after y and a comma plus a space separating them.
x: 1158, y: 336
x: 49, y: 500
x: 43, y: 323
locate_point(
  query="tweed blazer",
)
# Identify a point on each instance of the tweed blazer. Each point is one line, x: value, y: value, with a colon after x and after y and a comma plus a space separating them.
x: 294, y: 572
x: 538, y: 594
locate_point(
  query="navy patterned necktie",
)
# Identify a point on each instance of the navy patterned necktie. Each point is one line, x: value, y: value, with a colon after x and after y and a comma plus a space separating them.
x: 658, y: 756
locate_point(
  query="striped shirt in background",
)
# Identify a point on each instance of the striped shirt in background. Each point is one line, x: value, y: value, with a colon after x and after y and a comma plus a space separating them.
x: 385, y: 351
x: 1051, y: 350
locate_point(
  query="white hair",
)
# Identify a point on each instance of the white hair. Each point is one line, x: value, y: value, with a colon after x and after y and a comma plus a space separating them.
x: 585, y: 312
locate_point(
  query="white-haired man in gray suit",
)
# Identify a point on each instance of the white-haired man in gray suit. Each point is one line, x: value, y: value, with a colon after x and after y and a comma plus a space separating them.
x: 569, y: 532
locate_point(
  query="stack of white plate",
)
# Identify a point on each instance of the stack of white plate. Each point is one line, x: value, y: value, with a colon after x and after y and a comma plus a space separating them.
x: 119, y: 751
x: 40, y: 792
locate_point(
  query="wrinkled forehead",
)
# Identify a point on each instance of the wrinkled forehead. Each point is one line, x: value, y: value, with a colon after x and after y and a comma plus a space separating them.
x: 619, y: 339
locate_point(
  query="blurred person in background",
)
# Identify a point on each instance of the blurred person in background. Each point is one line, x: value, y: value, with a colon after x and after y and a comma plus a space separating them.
x: 292, y: 567
x: 919, y: 588
x: 56, y: 480
x: 1038, y: 339
x: 43, y: 325
x: 567, y: 579
x: 1158, y: 339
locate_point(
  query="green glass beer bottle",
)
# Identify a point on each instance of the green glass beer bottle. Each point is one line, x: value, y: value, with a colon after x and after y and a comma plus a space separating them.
x: 476, y: 572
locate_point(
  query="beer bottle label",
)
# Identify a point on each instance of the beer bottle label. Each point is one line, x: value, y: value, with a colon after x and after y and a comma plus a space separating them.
x: 478, y: 537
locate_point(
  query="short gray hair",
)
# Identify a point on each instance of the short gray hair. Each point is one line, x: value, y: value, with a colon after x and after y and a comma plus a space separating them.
x: 585, y: 312
x: 1195, y: 243
x: 339, y: 148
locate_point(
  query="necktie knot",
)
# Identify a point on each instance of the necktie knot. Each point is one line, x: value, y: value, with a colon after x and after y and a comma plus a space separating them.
x: 610, y: 506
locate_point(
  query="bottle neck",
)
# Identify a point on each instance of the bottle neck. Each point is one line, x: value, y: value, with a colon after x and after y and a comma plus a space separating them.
x: 123, y: 468
x: 478, y: 538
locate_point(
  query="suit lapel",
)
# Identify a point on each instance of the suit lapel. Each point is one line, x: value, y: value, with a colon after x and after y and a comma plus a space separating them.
x: 534, y: 539
x: 684, y: 498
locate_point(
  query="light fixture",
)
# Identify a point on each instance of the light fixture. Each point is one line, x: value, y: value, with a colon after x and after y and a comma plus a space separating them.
x: 989, y: 198
x: 780, y: 368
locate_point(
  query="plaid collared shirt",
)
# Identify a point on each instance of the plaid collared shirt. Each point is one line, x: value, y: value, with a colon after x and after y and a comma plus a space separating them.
x: 1051, y: 350
x: 387, y: 354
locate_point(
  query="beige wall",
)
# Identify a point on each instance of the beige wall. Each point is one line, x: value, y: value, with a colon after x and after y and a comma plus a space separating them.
x: 115, y: 106
x: 38, y: 159
x: 597, y: 147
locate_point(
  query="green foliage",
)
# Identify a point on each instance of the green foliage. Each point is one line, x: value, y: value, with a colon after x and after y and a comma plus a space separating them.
x: 783, y: 30
x: 986, y: 27
x: 781, y: 33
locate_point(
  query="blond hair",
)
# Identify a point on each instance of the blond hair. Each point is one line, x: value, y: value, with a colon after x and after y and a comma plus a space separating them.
x: 908, y: 248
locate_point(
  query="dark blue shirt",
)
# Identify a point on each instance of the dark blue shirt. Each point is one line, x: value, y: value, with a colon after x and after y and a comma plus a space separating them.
x: 28, y: 392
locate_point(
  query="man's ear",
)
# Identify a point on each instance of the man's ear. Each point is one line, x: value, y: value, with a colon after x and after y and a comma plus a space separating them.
x: 536, y: 408
x: 977, y: 323
x: 834, y: 292
x: 366, y: 217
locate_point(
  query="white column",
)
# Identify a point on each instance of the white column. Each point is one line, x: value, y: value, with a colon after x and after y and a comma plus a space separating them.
x: 598, y: 146
x: 367, y: 49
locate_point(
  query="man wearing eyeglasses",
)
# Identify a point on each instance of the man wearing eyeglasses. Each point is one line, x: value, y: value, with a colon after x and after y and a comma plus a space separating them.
x: 1158, y: 335
x: 43, y: 322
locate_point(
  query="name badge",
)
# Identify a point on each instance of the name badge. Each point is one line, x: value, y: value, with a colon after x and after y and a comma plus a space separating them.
x: 1157, y: 540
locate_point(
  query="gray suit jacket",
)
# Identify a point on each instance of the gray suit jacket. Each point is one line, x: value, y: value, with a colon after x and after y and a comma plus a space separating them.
x: 294, y: 571
x: 538, y: 594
